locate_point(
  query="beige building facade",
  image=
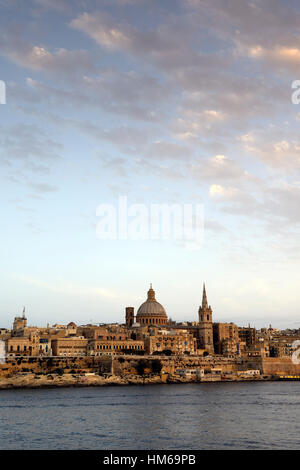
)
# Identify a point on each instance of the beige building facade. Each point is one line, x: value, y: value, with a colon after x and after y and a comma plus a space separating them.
x: 102, y: 347
x: 69, y: 346
x: 177, y: 343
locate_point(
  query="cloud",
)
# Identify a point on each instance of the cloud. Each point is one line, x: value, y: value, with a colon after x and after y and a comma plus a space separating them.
x: 43, y: 187
x: 101, y: 27
x: 280, y: 57
x: 68, y: 288
x: 214, y: 226
x: 27, y: 153
x: 137, y: 96
x: 251, y: 22
x: 283, y: 200
x: 220, y: 192
x: 168, y: 150
x: 26, y: 142
x: 194, y: 123
x: 60, y: 5
x: 134, y: 94
x: 278, y: 149
x: 219, y: 169
x: 113, y: 35
x: 265, y: 31
x: 164, y: 45
x: 60, y: 61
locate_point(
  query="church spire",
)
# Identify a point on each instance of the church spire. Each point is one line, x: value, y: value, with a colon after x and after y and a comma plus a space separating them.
x: 204, y: 298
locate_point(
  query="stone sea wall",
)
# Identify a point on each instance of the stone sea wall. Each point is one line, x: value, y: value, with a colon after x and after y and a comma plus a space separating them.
x: 35, y: 372
x: 117, y: 365
x: 44, y: 365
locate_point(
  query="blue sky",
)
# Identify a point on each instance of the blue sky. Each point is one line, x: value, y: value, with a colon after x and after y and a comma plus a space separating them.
x: 164, y: 102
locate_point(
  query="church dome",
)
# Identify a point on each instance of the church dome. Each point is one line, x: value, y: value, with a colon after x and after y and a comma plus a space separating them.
x: 151, y: 307
x: 151, y: 311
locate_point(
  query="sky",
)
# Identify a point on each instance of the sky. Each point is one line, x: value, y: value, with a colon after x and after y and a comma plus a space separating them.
x: 161, y: 102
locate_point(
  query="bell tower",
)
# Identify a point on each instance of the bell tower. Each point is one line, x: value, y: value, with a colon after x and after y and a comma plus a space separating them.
x: 129, y: 316
x: 205, y: 325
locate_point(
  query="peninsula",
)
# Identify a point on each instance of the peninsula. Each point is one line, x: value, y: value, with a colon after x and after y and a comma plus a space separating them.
x: 148, y: 348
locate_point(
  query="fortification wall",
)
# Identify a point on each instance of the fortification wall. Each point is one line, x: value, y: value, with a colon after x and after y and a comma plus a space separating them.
x: 143, y: 365
x: 52, y: 364
x: 125, y: 365
x: 272, y: 365
x: 283, y: 365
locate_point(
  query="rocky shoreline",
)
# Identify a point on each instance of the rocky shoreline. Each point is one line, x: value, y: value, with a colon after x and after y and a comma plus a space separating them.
x: 31, y: 381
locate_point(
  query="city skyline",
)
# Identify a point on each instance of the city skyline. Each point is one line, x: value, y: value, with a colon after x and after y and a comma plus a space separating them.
x: 116, y: 104
x: 135, y: 312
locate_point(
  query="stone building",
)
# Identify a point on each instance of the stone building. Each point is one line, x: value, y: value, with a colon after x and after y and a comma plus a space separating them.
x: 205, y: 325
x: 45, y: 347
x: 92, y: 331
x: 4, y: 334
x: 117, y: 335
x: 71, y: 329
x: 230, y: 347
x: 20, y: 322
x: 248, y: 335
x: 18, y: 346
x: 151, y: 312
x: 103, y: 347
x: 283, y: 346
x: 226, y: 338
x: 178, y: 342
x: 23, y: 345
x: 260, y: 349
x: 72, y: 346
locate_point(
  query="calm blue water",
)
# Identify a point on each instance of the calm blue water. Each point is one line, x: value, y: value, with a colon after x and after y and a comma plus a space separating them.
x: 196, y: 416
